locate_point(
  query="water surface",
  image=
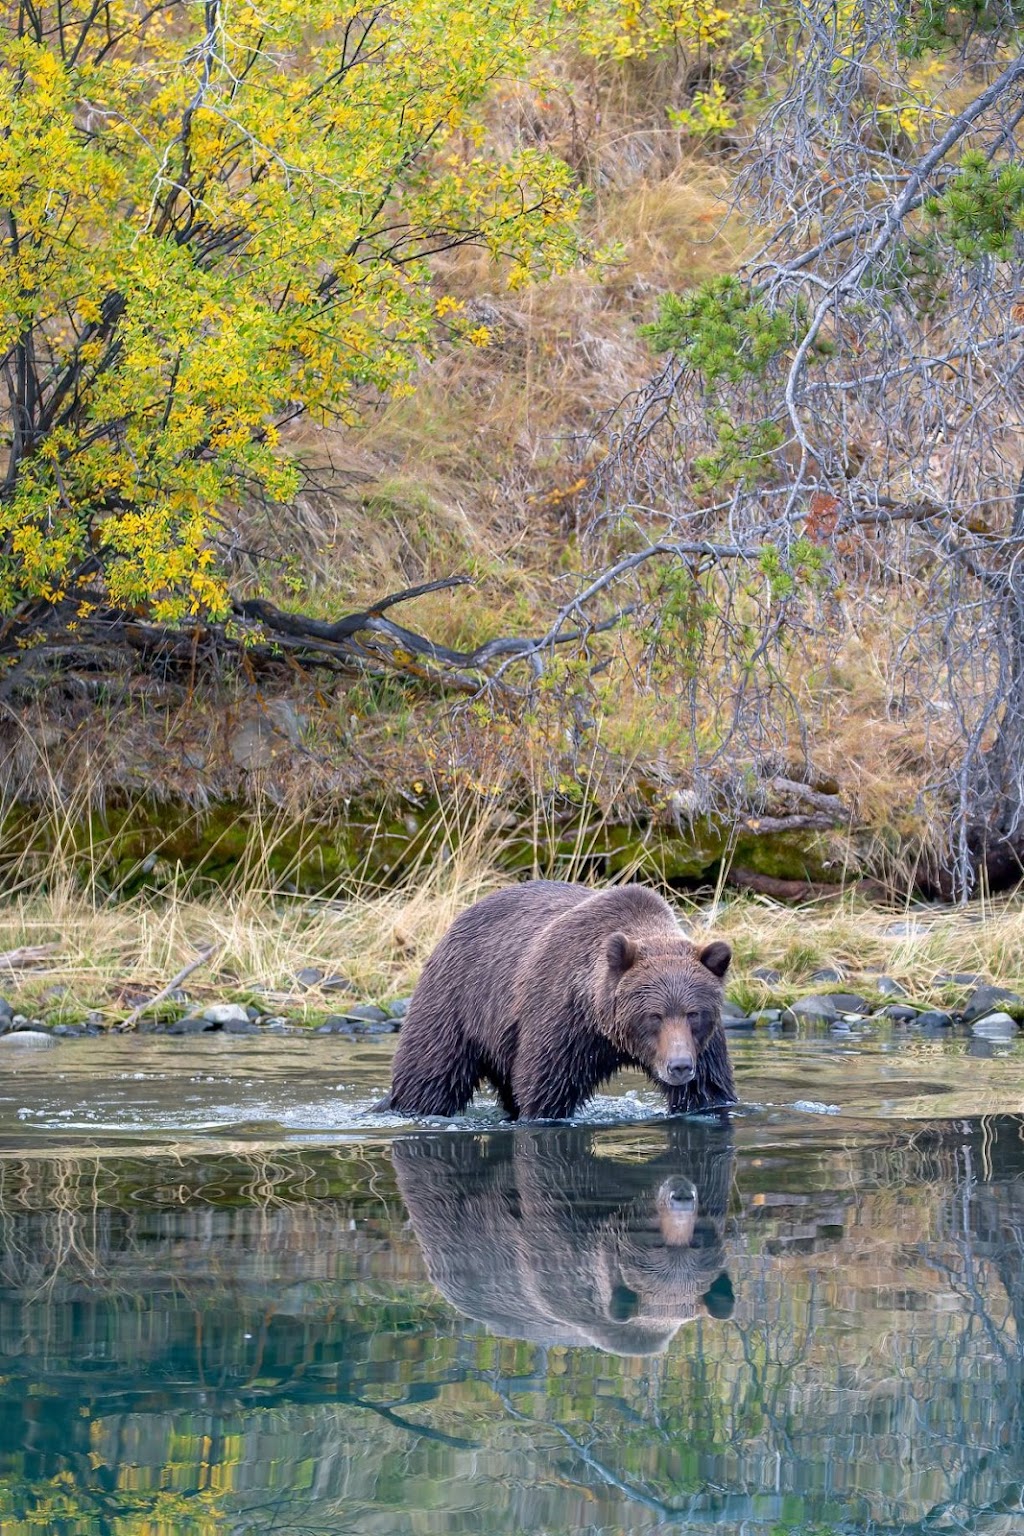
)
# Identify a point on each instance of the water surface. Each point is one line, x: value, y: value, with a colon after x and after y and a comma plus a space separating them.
x: 232, y: 1301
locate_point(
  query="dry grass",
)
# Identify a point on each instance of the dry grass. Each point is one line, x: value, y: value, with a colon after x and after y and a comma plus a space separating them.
x: 109, y: 955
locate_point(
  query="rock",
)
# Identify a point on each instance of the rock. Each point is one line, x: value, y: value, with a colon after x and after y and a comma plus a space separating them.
x: 767, y: 1016
x: 277, y: 1027
x: 900, y: 1013
x: 195, y: 1024
x: 287, y: 719
x: 828, y: 973
x: 827, y: 1006
x: 888, y: 986
x: 254, y: 745
x: 337, y: 1024
x: 226, y: 1013
x: 934, y: 1018
x: 766, y: 974
x: 238, y: 1027
x: 68, y: 1029
x: 309, y: 976
x: 399, y: 1007
x: 741, y: 1022
x: 996, y: 1026
x: 27, y: 1039
x: 338, y: 984
x: 366, y: 1013
x: 983, y: 999
x: 958, y: 979
x: 6, y: 1009
x: 906, y: 928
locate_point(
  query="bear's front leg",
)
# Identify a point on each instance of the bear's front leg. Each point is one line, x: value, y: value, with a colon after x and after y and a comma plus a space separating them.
x: 557, y: 1070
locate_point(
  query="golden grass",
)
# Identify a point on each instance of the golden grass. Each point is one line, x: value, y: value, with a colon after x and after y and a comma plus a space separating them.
x: 378, y: 939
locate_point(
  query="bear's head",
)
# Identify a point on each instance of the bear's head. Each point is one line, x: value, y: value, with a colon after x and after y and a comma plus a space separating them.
x: 665, y: 1001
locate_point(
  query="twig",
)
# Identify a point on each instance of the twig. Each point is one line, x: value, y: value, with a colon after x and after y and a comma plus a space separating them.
x: 175, y: 981
x: 28, y: 954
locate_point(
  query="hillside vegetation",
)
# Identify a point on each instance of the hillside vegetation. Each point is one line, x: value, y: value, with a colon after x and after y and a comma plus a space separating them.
x: 688, y: 335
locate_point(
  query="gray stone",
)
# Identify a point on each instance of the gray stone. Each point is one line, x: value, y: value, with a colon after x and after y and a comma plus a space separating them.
x: 767, y: 1016
x: 68, y: 1029
x: 768, y: 975
x: 6, y: 1009
x: 996, y: 1026
x: 254, y: 745
x: 827, y: 1006
x: 399, y: 1007
x: 959, y: 979
x: 934, y: 1018
x: 731, y: 1010
x: 275, y: 1021
x: 900, y: 1013
x: 192, y: 1025
x: 906, y: 928
x: 366, y: 1013
x: 237, y: 1027
x: 287, y: 719
x: 309, y: 976
x: 27, y: 1039
x: 888, y: 986
x: 983, y: 1000
x: 739, y: 1022
x: 277, y: 1027
x: 338, y: 984
x: 225, y: 1013
x: 337, y: 1024
x: 828, y: 973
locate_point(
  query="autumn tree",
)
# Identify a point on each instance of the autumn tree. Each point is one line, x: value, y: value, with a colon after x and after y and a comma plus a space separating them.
x: 217, y: 218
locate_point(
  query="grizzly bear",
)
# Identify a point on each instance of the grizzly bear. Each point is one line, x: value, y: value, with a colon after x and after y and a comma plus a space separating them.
x: 546, y: 989
x: 541, y: 1236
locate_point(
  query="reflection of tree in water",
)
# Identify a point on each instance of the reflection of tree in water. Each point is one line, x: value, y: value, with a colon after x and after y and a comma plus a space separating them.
x: 262, y: 1328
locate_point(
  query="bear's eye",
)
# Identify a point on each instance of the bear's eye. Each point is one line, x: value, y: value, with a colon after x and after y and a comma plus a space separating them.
x: 654, y: 1021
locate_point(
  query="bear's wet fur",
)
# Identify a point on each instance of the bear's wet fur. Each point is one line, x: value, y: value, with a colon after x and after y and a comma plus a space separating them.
x: 546, y: 989
x: 538, y: 1235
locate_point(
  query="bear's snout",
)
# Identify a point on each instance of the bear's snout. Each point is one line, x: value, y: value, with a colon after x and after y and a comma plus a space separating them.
x: 677, y: 1211
x: 679, y: 1069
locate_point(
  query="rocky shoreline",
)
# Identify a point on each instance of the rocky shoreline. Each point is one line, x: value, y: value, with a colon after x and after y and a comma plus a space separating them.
x: 990, y: 1012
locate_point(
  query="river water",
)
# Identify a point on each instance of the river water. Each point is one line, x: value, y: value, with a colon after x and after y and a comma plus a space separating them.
x: 233, y: 1300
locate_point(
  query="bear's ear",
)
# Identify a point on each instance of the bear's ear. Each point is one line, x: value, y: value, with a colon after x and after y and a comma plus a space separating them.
x: 621, y: 954
x: 719, y: 1299
x: 716, y: 957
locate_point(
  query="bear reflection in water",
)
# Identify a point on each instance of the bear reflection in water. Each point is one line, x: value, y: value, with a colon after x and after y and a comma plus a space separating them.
x: 540, y: 1235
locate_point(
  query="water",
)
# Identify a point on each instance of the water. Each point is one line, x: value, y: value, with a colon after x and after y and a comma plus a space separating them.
x: 233, y: 1301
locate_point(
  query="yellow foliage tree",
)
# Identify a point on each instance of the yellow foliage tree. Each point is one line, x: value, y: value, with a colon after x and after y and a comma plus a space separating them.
x: 217, y: 216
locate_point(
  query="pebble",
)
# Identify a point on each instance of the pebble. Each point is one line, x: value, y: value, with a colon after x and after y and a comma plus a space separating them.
x: 225, y: 1013
x: 996, y: 1026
